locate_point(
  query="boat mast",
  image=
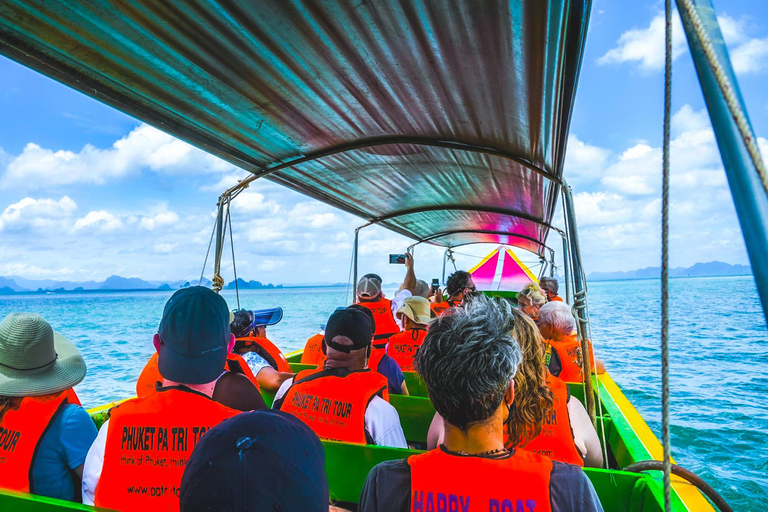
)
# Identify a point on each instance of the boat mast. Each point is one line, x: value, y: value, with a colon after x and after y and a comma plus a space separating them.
x: 734, y: 139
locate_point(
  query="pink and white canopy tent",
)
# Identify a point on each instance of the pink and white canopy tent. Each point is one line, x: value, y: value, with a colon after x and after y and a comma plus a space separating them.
x: 501, y: 270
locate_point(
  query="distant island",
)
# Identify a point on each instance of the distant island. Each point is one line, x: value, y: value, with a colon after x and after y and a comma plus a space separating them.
x: 16, y: 284
x: 711, y: 269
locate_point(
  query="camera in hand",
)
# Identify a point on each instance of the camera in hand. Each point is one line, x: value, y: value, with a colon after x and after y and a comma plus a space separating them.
x: 397, y: 259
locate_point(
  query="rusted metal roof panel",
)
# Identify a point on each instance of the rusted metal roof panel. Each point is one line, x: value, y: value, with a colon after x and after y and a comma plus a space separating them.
x: 476, y: 95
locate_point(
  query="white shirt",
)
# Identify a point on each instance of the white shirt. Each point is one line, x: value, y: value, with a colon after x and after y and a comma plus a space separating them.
x: 397, y: 302
x: 94, y: 461
x: 381, y: 421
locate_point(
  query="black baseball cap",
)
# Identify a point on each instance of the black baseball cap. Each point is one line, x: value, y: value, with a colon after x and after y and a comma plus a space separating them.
x: 351, y: 323
x: 194, y: 334
x: 265, y: 460
x: 368, y: 313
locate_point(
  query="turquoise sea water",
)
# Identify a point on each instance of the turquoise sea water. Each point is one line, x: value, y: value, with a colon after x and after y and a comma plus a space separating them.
x: 719, y: 358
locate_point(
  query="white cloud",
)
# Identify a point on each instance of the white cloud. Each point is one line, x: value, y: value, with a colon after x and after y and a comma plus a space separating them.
x: 645, y: 47
x: 750, y: 57
x: 165, y: 248
x: 270, y: 265
x: 33, y: 271
x: 144, y: 147
x: 620, y: 221
x: 37, y: 214
x: 584, y: 162
x: 100, y: 222
x: 150, y: 223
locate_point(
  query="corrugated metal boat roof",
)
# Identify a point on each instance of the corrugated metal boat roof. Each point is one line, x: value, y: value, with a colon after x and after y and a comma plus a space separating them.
x: 440, y: 120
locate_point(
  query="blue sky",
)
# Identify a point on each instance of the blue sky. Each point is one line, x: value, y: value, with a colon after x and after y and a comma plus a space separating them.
x: 86, y: 191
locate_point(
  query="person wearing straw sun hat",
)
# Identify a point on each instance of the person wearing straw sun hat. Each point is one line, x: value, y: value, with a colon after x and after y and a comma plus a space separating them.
x: 415, y: 314
x: 44, y: 433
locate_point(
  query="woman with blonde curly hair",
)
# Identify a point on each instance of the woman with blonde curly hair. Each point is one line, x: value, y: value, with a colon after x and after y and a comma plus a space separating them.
x: 530, y: 299
x: 544, y: 417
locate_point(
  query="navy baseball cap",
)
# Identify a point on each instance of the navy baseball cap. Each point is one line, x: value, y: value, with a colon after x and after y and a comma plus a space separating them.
x: 194, y: 334
x: 264, y: 460
x: 351, y: 323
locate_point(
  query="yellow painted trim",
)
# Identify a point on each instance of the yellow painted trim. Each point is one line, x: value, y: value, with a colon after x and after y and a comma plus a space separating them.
x: 472, y: 270
x: 105, y: 407
x: 522, y: 266
x: 295, y: 353
x: 688, y: 493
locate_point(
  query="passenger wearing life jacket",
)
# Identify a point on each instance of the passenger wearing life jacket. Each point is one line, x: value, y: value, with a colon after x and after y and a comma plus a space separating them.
x: 44, y: 433
x: 468, y: 362
x: 415, y: 314
x: 381, y: 361
x: 313, y: 349
x: 138, y: 458
x: 460, y: 288
x: 544, y: 417
x: 562, y: 346
x: 566, y: 432
x: 549, y: 287
x: 369, y: 294
x: 344, y: 400
x: 264, y: 359
x: 236, y: 387
x: 530, y: 299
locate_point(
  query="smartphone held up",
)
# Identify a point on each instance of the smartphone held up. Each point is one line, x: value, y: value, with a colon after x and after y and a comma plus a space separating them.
x: 397, y: 259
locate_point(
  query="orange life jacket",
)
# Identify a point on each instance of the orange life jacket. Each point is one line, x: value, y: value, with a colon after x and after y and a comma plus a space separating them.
x: 441, y: 481
x: 313, y: 350
x: 403, y: 346
x: 382, y: 316
x: 268, y: 351
x: 333, y: 402
x: 151, y: 374
x: 21, y: 431
x: 556, y: 438
x: 376, y: 355
x: 439, y: 307
x: 148, y: 444
x: 556, y: 298
x: 237, y: 364
x: 569, y: 351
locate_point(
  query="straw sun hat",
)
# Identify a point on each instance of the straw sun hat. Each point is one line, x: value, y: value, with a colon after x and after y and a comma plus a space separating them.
x: 35, y: 360
x: 417, y: 309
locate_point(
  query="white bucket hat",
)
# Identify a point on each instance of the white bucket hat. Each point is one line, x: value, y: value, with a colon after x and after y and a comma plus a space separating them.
x: 417, y: 309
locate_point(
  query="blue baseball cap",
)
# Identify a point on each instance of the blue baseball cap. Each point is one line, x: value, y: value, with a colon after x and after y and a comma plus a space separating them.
x: 194, y: 334
x: 264, y: 460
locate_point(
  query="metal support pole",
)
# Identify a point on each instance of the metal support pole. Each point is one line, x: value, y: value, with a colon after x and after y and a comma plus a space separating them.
x: 552, y: 264
x: 354, y: 266
x: 746, y: 186
x: 580, y: 299
x: 218, y: 282
x: 445, y: 258
x: 567, y: 273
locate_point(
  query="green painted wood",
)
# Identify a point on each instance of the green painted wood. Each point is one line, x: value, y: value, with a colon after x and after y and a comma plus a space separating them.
x: 416, y: 414
x: 348, y: 465
x: 416, y: 386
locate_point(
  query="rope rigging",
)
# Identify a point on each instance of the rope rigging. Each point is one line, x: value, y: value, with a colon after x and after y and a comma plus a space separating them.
x: 665, y: 255
x: 726, y: 88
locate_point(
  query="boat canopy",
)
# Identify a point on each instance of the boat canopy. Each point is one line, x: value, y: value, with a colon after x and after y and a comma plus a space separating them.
x: 443, y: 121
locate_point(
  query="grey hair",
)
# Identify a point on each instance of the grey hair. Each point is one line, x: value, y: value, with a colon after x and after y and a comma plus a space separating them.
x: 531, y: 293
x: 468, y: 359
x: 558, y: 316
x: 549, y: 284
